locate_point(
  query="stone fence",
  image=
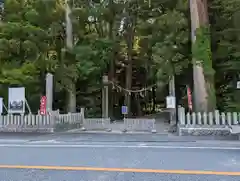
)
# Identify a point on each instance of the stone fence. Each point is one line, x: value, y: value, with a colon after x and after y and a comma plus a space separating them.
x: 97, y: 124
x: 207, y: 123
x: 129, y: 125
x: 141, y: 124
x: 26, y: 123
x: 55, y: 121
x: 38, y: 123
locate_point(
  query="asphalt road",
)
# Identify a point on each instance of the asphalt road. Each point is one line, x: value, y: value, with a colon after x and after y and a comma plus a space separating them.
x: 117, y: 158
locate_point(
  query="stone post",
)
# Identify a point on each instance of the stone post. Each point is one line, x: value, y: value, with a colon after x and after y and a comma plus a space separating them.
x: 105, y: 97
x: 49, y: 91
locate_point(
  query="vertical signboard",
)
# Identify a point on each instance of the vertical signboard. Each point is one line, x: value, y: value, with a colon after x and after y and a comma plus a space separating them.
x: 238, y: 84
x: 16, y: 100
x: 124, y: 110
x: 171, y: 102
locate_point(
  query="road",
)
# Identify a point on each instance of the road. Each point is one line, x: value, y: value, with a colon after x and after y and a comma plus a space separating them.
x: 117, y: 158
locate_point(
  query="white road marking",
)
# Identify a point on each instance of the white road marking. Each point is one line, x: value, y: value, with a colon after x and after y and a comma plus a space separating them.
x: 114, y: 146
x: 13, y: 141
x: 45, y: 141
x: 232, y: 162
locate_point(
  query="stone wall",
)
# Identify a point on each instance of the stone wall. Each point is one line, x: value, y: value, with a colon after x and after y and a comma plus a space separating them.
x: 203, y: 130
x: 26, y: 130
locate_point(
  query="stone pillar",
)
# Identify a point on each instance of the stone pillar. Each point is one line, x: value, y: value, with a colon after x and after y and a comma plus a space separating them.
x: 105, y: 97
x: 49, y: 91
x: 172, y: 93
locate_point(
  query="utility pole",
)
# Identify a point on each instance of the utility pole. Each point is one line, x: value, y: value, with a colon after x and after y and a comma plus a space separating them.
x: 69, y: 45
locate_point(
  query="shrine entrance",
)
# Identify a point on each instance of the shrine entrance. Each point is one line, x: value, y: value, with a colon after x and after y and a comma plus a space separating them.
x: 146, y: 103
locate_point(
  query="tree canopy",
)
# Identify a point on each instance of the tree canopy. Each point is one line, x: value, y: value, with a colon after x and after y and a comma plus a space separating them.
x: 139, y: 44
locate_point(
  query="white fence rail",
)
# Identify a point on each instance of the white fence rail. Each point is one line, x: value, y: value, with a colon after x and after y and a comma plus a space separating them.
x: 139, y: 125
x: 128, y: 125
x: 210, y: 118
x: 96, y: 123
x: 70, y: 118
x: 26, y: 123
x: 37, y: 123
x: 56, y: 121
x: 25, y: 120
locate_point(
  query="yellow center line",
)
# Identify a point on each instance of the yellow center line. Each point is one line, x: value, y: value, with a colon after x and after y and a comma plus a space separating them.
x: 137, y: 170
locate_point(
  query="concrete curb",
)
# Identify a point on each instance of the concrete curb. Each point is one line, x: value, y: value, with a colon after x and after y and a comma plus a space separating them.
x: 26, y: 130
x: 77, y: 131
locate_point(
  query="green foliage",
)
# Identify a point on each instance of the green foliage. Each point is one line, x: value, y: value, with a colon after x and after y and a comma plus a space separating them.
x: 201, y: 51
x: 202, y: 56
x: 19, y: 76
x: 32, y: 42
x: 168, y: 41
x: 225, y: 48
x: 92, y: 58
x: 24, y: 45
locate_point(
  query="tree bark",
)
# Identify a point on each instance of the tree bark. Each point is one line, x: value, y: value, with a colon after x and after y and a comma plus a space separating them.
x: 72, y: 98
x: 69, y: 44
x: 138, y: 104
x: 129, y: 80
x: 111, y: 73
x: 199, y: 18
x: 130, y: 39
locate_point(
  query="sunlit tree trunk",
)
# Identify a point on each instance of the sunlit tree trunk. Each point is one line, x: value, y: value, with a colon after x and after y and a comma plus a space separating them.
x: 111, y: 73
x: 199, y: 18
x: 69, y: 44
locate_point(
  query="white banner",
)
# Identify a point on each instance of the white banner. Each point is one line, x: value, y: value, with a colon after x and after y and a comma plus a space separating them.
x: 1, y: 105
x: 16, y: 100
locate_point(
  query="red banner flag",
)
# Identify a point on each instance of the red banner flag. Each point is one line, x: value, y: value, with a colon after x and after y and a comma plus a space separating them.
x: 43, y: 104
x: 189, y: 95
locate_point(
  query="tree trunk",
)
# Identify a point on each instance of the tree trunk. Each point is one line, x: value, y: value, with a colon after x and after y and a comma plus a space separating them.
x: 72, y: 98
x: 111, y: 73
x: 138, y: 104
x: 199, y: 18
x: 129, y: 81
x: 130, y: 39
x: 69, y: 44
x: 153, y: 100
